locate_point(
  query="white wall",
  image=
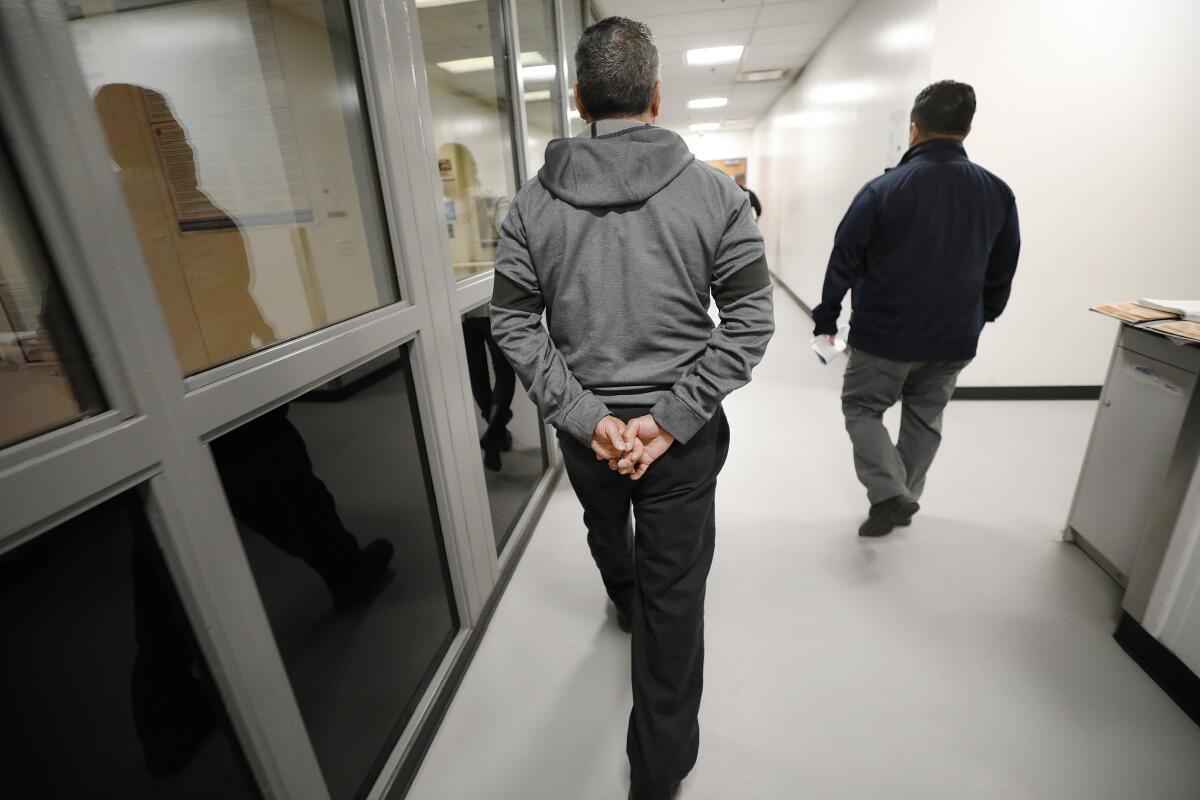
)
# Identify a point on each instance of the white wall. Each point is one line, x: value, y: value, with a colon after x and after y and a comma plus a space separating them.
x: 836, y: 128
x: 1087, y: 109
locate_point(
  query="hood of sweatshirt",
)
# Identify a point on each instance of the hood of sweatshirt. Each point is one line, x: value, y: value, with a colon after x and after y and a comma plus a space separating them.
x: 618, y: 169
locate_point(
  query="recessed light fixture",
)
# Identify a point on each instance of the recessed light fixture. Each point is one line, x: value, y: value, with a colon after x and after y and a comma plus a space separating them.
x: 708, y: 102
x: 700, y: 127
x: 534, y: 97
x: 542, y: 72
x: 714, y: 55
x: 761, y: 75
x: 482, y: 63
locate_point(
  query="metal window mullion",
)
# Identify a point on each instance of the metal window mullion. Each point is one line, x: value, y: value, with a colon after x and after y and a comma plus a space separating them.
x: 519, y: 113
x: 215, y: 408
x: 398, y: 90
x: 564, y: 85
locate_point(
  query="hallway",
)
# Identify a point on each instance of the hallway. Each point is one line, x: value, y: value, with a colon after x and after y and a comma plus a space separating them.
x: 968, y: 656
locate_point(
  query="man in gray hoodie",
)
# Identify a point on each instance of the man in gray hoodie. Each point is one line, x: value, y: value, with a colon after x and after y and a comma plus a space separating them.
x: 621, y: 240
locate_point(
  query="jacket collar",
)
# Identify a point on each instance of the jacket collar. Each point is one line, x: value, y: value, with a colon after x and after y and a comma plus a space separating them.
x: 936, y: 150
x: 608, y: 127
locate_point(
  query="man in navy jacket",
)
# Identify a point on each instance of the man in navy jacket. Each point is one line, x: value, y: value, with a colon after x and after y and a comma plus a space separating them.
x: 928, y: 251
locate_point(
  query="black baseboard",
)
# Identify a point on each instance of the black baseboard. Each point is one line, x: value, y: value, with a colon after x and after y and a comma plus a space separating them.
x: 1176, y: 679
x: 1027, y: 393
x: 795, y: 297
x: 986, y: 392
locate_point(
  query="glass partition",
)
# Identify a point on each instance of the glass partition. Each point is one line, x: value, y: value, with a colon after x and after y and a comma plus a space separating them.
x: 106, y: 693
x: 469, y: 92
x: 46, y: 379
x: 543, y: 93
x: 237, y: 131
x: 332, y: 494
x: 510, y: 429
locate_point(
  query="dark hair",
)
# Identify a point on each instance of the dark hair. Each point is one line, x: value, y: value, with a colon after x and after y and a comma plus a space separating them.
x: 616, y: 64
x: 944, y: 107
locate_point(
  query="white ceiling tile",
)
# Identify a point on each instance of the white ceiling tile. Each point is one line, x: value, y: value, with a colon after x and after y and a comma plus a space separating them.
x: 699, y: 22
x: 781, y: 34
x: 637, y: 9
x: 797, y: 11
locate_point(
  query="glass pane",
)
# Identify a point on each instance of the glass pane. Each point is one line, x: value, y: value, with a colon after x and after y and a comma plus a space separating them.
x: 543, y: 93
x: 45, y: 378
x: 510, y: 434
x: 464, y: 58
x: 237, y: 129
x: 332, y: 493
x: 105, y: 691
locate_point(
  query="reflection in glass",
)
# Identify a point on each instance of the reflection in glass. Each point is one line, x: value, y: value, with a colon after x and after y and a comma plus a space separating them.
x: 45, y: 378
x: 105, y: 691
x: 469, y: 94
x: 332, y: 493
x: 237, y: 131
x: 510, y: 428
x: 543, y: 93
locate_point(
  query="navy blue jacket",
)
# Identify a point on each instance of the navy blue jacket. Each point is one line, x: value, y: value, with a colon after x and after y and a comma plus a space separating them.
x: 928, y: 249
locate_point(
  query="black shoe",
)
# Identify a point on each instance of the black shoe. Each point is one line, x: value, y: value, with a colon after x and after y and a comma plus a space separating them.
x: 491, y: 458
x: 359, y: 581
x: 506, y: 441
x: 886, y: 515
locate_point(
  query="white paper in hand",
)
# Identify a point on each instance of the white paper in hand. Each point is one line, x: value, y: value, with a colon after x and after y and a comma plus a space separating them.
x: 828, y: 353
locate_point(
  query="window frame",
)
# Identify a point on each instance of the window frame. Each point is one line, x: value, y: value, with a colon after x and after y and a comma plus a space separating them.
x: 153, y: 435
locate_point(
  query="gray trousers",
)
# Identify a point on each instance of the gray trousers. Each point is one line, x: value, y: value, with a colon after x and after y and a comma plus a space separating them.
x: 874, y: 384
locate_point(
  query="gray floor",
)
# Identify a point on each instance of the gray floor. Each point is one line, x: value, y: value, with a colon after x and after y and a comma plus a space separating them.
x: 969, y: 656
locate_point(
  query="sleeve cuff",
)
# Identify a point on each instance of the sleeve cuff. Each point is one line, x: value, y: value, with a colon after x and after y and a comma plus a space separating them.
x: 584, y: 416
x: 677, y: 418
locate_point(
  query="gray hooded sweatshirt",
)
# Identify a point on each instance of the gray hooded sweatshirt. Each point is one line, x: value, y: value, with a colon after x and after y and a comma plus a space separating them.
x: 621, y: 239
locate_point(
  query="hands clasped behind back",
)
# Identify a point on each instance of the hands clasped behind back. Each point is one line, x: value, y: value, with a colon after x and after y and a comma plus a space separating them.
x: 630, y: 448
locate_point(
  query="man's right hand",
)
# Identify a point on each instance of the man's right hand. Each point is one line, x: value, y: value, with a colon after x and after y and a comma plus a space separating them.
x: 608, y: 440
x: 644, y: 434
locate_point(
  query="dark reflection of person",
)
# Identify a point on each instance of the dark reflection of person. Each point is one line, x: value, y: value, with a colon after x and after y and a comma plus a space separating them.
x: 196, y: 251
x: 264, y: 465
x: 494, y: 400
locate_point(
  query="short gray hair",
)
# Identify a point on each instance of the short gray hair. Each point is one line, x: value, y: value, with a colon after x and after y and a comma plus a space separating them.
x: 616, y: 64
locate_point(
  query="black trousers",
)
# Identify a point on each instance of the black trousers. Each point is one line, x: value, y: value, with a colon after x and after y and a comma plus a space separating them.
x: 477, y: 333
x: 657, y: 572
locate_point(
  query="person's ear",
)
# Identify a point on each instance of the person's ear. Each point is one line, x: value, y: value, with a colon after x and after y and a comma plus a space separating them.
x: 968, y: 133
x: 914, y: 133
x: 579, y: 106
x: 656, y: 99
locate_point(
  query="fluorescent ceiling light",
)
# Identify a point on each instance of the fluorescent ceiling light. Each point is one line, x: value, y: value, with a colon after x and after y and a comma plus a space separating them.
x: 708, y: 102
x: 483, y: 63
x: 542, y: 72
x: 436, y: 3
x: 714, y: 55
x: 704, y: 126
x: 534, y: 97
x: 762, y: 75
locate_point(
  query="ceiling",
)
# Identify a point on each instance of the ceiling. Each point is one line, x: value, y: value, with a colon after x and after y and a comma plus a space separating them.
x: 776, y: 35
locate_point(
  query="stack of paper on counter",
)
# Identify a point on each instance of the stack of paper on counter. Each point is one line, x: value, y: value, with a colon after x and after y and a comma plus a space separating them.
x: 1188, y: 309
x: 1135, y: 313
x: 1180, y: 329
